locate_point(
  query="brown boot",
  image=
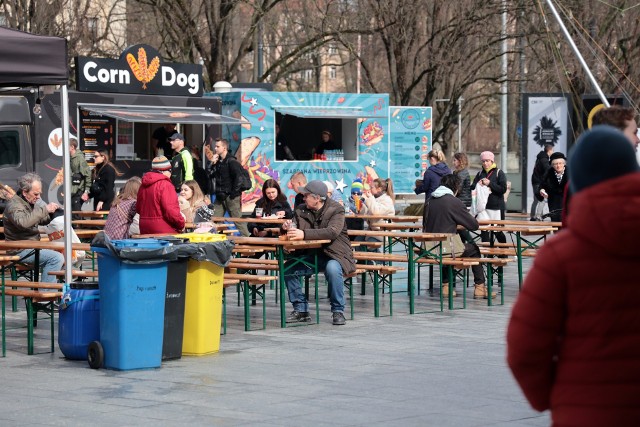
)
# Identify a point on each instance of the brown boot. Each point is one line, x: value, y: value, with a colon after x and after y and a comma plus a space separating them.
x: 480, y: 291
x: 445, y: 291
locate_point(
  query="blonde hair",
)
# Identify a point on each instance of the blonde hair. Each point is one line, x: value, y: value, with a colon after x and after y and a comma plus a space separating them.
x: 385, y: 185
x: 438, y: 155
x: 198, y: 198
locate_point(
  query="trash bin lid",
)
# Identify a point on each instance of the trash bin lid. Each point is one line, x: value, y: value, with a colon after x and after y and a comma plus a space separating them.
x: 84, y: 285
x: 202, y: 237
x: 140, y: 243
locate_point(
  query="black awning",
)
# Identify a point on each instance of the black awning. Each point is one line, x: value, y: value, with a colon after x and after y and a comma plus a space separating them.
x: 150, y: 114
x: 30, y: 60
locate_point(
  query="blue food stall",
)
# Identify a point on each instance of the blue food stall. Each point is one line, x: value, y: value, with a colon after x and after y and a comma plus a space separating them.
x: 356, y: 125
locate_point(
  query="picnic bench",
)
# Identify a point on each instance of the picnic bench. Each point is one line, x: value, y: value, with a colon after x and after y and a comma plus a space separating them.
x: 38, y: 296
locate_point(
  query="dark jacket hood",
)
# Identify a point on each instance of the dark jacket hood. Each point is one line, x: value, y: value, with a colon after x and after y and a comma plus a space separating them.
x: 441, y: 169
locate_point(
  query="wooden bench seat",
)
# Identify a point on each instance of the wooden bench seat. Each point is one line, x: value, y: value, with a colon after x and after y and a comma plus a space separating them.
x: 75, y: 273
x: 254, y: 281
x: 32, y: 292
x: 380, y: 272
x: 355, y: 244
x: 378, y: 256
x: 255, y: 261
x: 256, y: 266
x: 507, y: 252
x: 496, y: 245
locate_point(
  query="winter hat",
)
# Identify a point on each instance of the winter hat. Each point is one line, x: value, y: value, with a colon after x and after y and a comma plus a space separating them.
x: 316, y: 187
x: 557, y: 155
x: 357, y: 186
x: 600, y: 154
x: 487, y: 155
x: 160, y: 163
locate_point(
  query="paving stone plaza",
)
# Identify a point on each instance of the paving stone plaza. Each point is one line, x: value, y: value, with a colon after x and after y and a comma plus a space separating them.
x: 428, y: 369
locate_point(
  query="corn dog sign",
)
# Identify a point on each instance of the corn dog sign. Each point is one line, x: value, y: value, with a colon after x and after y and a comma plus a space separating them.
x: 140, y: 69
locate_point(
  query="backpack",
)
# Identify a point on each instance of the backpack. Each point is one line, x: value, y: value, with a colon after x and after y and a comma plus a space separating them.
x: 245, y: 179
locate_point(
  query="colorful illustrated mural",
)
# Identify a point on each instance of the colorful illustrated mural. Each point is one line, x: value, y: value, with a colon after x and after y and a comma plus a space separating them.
x: 254, y: 142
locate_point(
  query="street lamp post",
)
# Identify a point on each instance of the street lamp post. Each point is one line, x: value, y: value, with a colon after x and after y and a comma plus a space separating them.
x: 459, y: 103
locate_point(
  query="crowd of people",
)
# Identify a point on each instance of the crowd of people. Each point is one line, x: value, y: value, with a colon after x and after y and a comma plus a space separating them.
x: 567, y: 348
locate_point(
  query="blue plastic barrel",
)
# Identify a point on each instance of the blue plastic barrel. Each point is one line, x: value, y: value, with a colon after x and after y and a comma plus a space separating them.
x: 79, y: 320
x: 132, y: 307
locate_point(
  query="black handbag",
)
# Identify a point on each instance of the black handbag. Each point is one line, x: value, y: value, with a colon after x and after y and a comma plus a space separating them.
x: 96, y: 188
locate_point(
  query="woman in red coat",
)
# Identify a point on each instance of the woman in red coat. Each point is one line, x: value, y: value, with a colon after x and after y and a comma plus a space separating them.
x: 158, y: 202
x: 573, y: 341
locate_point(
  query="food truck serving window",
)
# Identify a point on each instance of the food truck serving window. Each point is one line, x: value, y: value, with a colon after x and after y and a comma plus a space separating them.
x: 318, y: 133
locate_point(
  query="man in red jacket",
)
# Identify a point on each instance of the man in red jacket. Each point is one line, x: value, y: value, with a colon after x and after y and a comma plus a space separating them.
x: 573, y: 341
x: 157, y: 200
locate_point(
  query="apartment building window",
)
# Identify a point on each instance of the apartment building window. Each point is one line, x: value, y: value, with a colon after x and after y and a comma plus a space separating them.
x: 332, y: 73
x: 333, y: 50
x: 306, y: 75
x: 92, y: 28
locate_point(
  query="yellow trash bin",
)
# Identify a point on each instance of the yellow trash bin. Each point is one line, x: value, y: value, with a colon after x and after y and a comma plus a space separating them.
x: 203, y: 302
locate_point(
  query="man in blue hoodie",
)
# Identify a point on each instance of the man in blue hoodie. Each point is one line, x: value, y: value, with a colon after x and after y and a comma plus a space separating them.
x: 442, y: 214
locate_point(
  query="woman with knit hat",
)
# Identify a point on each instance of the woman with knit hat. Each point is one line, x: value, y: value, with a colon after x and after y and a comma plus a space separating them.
x: 553, y: 185
x: 157, y: 200
x: 573, y: 341
x: 492, y: 177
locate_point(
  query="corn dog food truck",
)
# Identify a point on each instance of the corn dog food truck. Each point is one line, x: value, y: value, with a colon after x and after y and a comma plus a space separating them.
x: 117, y: 106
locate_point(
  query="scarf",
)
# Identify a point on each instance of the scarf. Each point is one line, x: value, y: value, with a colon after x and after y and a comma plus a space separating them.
x: 493, y: 165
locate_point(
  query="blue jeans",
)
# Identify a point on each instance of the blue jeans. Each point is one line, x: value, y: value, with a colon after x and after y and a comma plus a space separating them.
x: 49, y: 261
x: 333, y: 274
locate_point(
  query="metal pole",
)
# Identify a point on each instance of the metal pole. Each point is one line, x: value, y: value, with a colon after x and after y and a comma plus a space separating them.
x: 505, y: 100
x: 460, y: 99
x: 68, y: 257
x: 358, y: 64
x: 585, y: 67
x: 260, y: 52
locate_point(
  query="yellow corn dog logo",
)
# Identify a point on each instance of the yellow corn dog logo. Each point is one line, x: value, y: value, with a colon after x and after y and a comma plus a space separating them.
x: 142, y: 70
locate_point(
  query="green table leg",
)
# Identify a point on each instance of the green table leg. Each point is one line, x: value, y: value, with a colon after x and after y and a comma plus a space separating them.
x: 410, y: 276
x: 283, y: 318
x: 519, y: 256
x: 376, y: 296
x: 247, y: 313
x: 489, y: 283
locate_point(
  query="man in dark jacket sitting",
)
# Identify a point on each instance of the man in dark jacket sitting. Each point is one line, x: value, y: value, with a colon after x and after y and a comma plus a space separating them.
x: 24, y: 213
x: 443, y: 213
x: 319, y: 218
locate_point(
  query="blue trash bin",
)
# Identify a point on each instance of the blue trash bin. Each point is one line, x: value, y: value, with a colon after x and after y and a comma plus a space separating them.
x: 132, y: 307
x: 79, y: 320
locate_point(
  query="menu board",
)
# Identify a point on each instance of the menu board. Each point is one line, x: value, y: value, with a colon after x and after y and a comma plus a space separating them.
x: 410, y: 142
x: 96, y: 132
